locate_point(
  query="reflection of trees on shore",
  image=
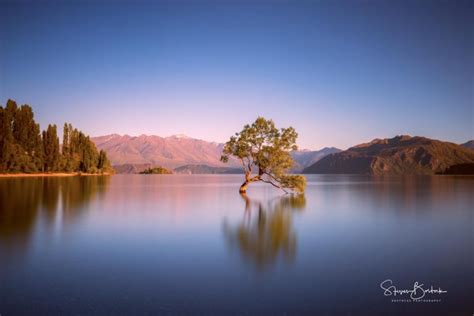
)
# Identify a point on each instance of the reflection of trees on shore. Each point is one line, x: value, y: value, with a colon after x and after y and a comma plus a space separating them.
x: 266, y: 232
x: 24, y: 200
x: 19, y: 202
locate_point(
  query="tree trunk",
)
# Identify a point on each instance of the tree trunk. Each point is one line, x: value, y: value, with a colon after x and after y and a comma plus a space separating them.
x: 243, y: 187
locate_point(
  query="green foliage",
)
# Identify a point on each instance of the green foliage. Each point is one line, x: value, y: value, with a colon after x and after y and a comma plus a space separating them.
x: 20, y: 140
x: 267, y: 148
x: 157, y: 170
x: 51, y: 149
x: 23, y: 149
x: 66, y: 161
x: 296, y: 183
x: 103, y: 161
x: 79, y: 153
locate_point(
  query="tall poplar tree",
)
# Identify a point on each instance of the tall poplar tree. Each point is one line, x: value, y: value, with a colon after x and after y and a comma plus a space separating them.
x: 27, y: 135
x: 66, y: 156
x: 51, y: 149
x: 2, y: 139
x: 12, y: 154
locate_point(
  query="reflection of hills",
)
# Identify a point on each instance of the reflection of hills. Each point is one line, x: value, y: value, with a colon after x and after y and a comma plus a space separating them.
x: 266, y: 232
x: 402, y: 195
x: 24, y: 200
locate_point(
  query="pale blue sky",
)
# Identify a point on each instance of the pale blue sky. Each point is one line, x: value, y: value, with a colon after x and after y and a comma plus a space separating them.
x: 340, y: 72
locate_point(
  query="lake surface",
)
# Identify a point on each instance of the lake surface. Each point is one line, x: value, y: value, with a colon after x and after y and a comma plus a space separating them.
x: 160, y: 244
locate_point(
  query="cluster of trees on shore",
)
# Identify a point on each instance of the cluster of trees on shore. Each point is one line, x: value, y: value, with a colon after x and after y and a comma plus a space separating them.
x: 25, y: 149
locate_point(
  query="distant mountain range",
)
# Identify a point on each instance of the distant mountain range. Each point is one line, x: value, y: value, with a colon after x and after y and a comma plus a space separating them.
x: 469, y: 144
x: 399, y: 155
x: 133, y: 154
x: 169, y: 152
x: 205, y: 169
x: 306, y: 158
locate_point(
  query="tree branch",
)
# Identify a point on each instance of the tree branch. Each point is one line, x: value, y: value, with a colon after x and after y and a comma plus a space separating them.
x: 275, y: 185
x: 268, y: 174
x: 243, y: 165
x: 256, y: 178
x: 249, y: 165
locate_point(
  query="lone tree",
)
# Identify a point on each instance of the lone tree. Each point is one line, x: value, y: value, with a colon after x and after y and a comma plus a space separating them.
x: 265, y: 149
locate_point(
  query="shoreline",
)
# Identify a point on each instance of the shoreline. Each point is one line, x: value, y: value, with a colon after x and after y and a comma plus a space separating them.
x: 54, y: 174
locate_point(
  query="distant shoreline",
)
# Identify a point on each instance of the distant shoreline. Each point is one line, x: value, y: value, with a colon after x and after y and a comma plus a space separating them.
x: 54, y: 174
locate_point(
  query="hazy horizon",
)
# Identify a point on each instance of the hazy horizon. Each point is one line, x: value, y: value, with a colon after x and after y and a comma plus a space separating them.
x: 341, y: 73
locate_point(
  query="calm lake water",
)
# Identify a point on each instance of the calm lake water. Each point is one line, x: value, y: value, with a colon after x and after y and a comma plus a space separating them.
x: 158, y: 244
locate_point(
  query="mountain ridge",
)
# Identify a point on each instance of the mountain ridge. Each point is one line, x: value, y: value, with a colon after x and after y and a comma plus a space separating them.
x: 403, y: 154
x: 133, y: 154
x: 169, y: 152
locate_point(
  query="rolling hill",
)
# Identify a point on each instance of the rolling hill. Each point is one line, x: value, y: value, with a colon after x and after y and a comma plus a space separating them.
x: 399, y: 155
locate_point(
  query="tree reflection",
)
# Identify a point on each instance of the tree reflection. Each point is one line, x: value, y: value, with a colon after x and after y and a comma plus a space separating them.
x: 24, y: 200
x: 266, y: 232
